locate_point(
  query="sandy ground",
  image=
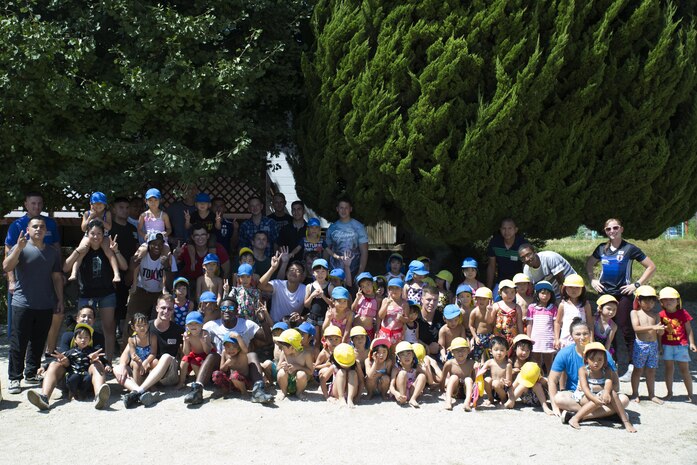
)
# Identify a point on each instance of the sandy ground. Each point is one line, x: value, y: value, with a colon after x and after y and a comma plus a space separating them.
x: 317, y: 431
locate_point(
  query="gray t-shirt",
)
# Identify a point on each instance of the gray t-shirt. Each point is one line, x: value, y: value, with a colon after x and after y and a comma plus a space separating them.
x: 245, y: 328
x: 34, y: 278
x: 551, y: 264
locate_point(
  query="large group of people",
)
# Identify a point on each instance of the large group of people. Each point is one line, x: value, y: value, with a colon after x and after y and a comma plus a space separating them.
x: 273, y: 301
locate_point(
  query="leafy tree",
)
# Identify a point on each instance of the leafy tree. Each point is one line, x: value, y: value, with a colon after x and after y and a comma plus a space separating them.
x: 444, y: 116
x: 115, y: 94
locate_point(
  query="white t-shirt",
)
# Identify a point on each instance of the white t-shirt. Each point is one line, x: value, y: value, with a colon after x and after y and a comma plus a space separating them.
x: 551, y: 264
x: 151, y: 272
x: 284, y: 302
x: 245, y: 328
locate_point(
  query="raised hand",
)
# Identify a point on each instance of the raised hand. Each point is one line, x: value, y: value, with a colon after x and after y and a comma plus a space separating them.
x: 113, y: 245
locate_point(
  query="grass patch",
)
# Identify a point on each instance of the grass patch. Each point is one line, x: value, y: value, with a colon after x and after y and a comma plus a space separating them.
x: 676, y: 261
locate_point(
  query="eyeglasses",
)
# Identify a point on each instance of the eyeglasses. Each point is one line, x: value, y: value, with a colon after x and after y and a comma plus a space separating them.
x: 612, y: 228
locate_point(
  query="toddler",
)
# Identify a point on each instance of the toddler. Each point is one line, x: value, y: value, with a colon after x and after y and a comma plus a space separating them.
x: 196, y: 346
x: 648, y: 329
x: 458, y: 374
x: 481, y: 323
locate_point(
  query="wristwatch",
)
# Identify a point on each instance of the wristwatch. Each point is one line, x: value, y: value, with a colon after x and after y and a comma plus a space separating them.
x: 637, y: 284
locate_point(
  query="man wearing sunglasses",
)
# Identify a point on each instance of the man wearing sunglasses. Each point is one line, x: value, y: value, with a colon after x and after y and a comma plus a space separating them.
x: 250, y: 332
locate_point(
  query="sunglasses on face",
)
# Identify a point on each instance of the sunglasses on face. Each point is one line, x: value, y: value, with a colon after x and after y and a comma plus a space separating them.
x: 227, y: 308
x: 612, y: 228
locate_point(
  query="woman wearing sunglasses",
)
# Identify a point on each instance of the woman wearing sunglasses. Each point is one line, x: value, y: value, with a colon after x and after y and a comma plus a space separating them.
x: 616, y: 257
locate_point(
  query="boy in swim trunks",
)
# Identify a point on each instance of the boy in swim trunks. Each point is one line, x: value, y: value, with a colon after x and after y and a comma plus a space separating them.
x: 295, y: 365
x: 481, y: 322
x: 234, y: 366
x: 648, y: 328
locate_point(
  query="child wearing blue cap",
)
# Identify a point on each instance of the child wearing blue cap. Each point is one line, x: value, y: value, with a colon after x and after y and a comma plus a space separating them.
x: 465, y: 300
x: 210, y: 281
x: 308, y: 332
x: 395, y: 262
x: 234, y: 366
x: 453, y: 327
x: 182, y: 304
x: 413, y: 289
x: 338, y: 312
x: 470, y: 268
x: 317, y: 294
x: 366, y: 304
x: 248, y: 297
x: 393, y: 311
x: 153, y: 221
x: 312, y: 242
x: 98, y: 211
x: 196, y: 346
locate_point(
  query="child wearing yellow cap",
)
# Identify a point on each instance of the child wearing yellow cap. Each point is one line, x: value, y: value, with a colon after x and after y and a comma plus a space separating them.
x: 676, y: 340
x: 294, y: 366
x: 323, y: 370
x: 481, y: 322
x: 458, y: 374
x: 348, y: 375
x: 648, y: 329
x: 509, y: 315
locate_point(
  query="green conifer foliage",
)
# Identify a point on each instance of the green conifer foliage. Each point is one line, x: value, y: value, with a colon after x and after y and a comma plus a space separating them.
x: 444, y: 116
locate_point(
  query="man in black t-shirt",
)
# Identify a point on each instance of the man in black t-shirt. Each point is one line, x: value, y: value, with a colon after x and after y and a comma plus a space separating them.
x: 279, y: 214
x: 502, y: 252
x: 166, y: 367
x: 431, y: 320
x: 292, y: 233
x: 127, y: 237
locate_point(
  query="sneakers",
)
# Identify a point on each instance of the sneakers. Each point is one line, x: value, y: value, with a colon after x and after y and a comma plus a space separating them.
x: 627, y: 376
x: 146, y: 398
x: 195, y: 396
x: 39, y: 400
x: 33, y: 379
x: 566, y: 416
x: 258, y: 394
x: 14, y: 387
x: 131, y: 399
x: 102, y: 397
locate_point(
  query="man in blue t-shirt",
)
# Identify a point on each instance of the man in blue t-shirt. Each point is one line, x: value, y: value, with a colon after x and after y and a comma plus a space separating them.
x: 347, y: 237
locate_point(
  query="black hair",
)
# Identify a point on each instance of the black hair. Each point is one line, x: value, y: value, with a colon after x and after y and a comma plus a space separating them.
x: 120, y: 200
x: 279, y: 194
x: 95, y: 224
x: 344, y: 199
x: 298, y: 263
x: 197, y: 226
x: 586, y: 354
x: 38, y: 217
x: 526, y: 245
x: 81, y: 330
x: 94, y: 312
x: 552, y: 297
x: 499, y: 340
x: 255, y: 197
x: 138, y: 318
x: 524, y: 342
x: 415, y: 361
x: 577, y: 322
x: 262, y: 232
x: 298, y: 202
x: 583, y: 298
x: 33, y: 194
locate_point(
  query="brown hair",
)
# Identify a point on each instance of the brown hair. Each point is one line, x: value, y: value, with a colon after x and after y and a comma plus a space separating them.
x: 608, y: 243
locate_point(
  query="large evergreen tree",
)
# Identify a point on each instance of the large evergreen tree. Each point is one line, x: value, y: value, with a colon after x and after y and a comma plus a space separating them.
x: 443, y: 116
x: 112, y: 94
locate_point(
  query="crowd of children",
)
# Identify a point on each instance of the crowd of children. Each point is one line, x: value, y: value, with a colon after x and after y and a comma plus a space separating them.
x: 360, y: 336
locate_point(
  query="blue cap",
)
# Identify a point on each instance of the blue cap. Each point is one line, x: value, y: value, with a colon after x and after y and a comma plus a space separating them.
x: 180, y: 280
x: 152, y: 192
x: 282, y: 325
x: 320, y: 262
x: 469, y: 262
x: 417, y: 267
x: 395, y: 255
x: 364, y: 275
x: 451, y: 311
x: 244, y: 269
x: 338, y: 273
x: 211, y: 258
x: 203, y: 198
x: 307, y: 328
x: 340, y: 292
x: 414, y: 303
x: 395, y: 282
x: 194, y: 317
x: 230, y: 339
x: 208, y: 296
x: 544, y: 285
x: 464, y: 288
x: 98, y: 197
x: 313, y: 222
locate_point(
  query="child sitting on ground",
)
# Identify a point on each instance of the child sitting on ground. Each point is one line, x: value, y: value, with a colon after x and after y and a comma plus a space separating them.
x: 648, y: 329
x: 348, y: 375
x: 378, y: 368
x: 595, y: 387
x: 500, y: 371
x: 98, y: 211
x: 234, y: 366
x: 361, y: 344
x: 307, y: 331
x: 428, y: 365
x: 408, y: 380
x: 196, y: 346
x: 458, y: 373
x: 481, y: 322
x: 323, y: 370
x: 527, y: 375
x: 142, y: 347
x: 210, y: 281
x: 295, y: 365
x: 676, y: 340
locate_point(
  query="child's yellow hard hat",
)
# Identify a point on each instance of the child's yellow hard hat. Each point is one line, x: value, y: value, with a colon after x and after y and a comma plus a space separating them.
x: 529, y: 374
x: 291, y: 337
x: 332, y: 331
x: 484, y: 292
x: 345, y: 355
x: 604, y: 299
x: 574, y: 280
x: 459, y: 343
x: 419, y: 350
x: 645, y: 291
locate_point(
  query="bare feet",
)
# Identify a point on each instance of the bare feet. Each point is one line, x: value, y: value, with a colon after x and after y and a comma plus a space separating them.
x: 510, y: 403
x: 414, y: 403
x: 281, y: 396
x: 657, y: 400
x: 486, y: 403
x: 117, y: 278
x: 72, y: 277
x: 448, y: 405
x: 351, y: 404
x: 628, y: 426
x: 635, y: 399
x: 301, y: 396
x: 574, y: 423
x: 467, y: 406
x: 342, y: 402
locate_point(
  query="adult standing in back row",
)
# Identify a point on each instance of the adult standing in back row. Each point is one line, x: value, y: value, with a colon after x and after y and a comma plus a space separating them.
x: 347, y: 236
x: 616, y: 257
x: 502, y: 252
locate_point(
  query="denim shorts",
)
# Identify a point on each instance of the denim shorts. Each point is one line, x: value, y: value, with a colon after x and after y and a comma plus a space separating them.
x: 676, y: 353
x: 98, y: 303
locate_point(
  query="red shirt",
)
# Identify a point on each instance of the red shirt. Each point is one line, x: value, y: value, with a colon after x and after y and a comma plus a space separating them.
x: 186, y: 271
x: 674, y: 334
